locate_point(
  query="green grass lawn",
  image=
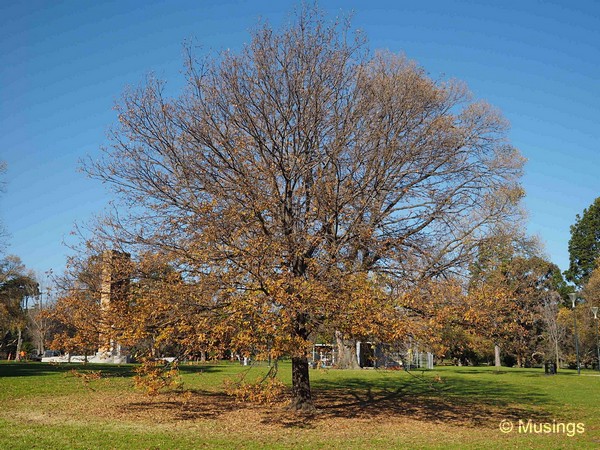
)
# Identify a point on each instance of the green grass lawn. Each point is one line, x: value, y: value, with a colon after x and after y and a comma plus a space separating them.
x: 45, y: 406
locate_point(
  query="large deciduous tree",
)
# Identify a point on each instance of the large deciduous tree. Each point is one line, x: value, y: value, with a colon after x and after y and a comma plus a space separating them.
x: 591, y: 291
x: 514, y: 263
x: 584, y: 245
x: 305, y: 164
x: 77, y: 312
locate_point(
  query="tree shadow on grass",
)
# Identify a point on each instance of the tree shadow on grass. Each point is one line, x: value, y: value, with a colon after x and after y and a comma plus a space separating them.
x: 25, y: 369
x: 530, y: 372
x: 459, y: 401
x: 201, y: 368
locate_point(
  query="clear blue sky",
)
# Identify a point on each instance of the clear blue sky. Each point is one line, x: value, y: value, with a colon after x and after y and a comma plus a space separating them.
x: 64, y: 64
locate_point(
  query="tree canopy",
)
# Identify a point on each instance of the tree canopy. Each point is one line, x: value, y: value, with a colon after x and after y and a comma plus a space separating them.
x: 17, y: 286
x: 307, y: 181
x: 584, y: 245
x: 591, y: 291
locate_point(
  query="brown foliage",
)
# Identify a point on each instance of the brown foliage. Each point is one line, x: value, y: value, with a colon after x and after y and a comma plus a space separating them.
x: 304, y: 164
x: 80, y: 316
x: 591, y: 292
x: 154, y: 376
x: 263, y: 390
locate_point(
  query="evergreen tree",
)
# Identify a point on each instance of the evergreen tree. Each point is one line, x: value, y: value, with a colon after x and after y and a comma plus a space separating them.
x: 584, y: 245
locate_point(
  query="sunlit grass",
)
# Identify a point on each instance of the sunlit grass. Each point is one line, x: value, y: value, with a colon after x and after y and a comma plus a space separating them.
x: 46, y: 406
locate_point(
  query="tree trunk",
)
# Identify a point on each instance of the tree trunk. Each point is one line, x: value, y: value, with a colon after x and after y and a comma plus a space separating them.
x: 301, y: 396
x: 19, y: 344
x: 557, y: 357
x: 497, y: 355
x: 347, y: 358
